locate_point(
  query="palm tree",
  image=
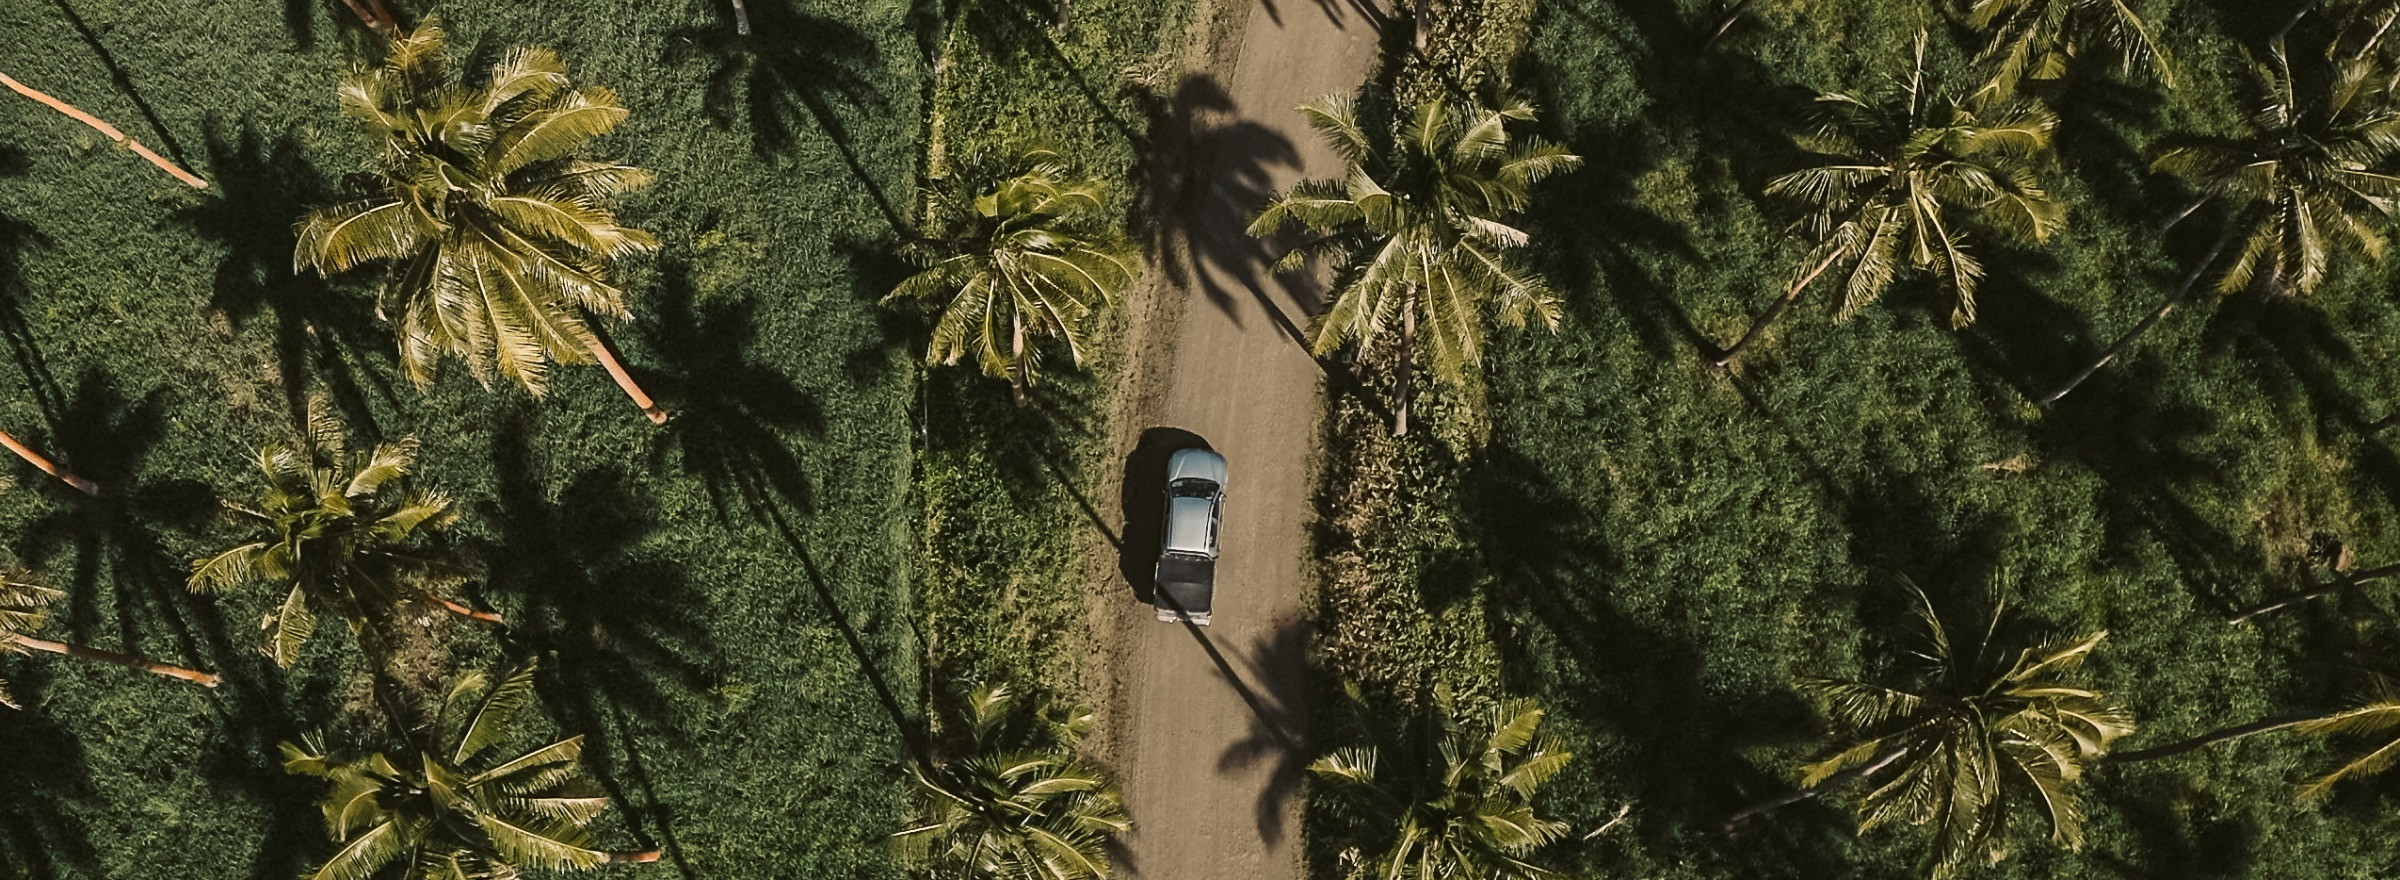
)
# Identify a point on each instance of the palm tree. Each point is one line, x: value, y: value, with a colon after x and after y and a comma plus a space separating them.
x: 466, y: 805
x: 501, y: 234
x: 1011, y: 801
x: 341, y: 534
x: 1417, y: 230
x: 2311, y: 177
x: 1017, y: 249
x: 24, y: 604
x: 1908, y: 176
x: 106, y: 130
x: 1977, y: 726
x: 1458, y: 807
x: 2038, y: 39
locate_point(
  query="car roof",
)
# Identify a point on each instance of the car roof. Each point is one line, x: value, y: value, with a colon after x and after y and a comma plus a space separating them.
x: 1201, y: 464
x: 1188, y: 525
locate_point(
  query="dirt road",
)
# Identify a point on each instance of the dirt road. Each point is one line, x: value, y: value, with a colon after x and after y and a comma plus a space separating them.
x: 1207, y: 723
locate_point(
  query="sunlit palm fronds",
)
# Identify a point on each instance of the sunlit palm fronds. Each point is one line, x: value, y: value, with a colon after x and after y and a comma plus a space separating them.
x: 1973, y: 728
x: 1011, y: 800
x: 1023, y: 248
x: 2038, y: 39
x: 1459, y: 806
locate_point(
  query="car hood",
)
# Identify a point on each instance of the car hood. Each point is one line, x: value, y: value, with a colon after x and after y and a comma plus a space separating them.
x: 1198, y: 464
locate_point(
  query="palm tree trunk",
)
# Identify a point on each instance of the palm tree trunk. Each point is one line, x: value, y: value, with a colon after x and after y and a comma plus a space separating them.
x: 616, y: 370
x: 45, y: 465
x: 1016, y: 356
x: 1830, y: 783
x: 2227, y: 734
x: 374, y: 15
x: 741, y: 18
x: 1408, y: 362
x: 203, y: 679
x: 110, y: 131
x: 470, y: 613
x: 2118, y: 347
x: 630, y: 857
x: 1775, y: 311
x: 2339, y: 584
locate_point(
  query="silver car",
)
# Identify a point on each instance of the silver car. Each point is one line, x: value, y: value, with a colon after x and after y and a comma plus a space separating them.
x: 1187, y: 553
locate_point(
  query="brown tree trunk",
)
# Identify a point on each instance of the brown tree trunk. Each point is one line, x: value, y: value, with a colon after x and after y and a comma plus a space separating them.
x: 144, y: 664
x: 630, y: 857
x: 2344, y: 582
x: 1830, y: 783
x: 47, y: 466
x: 1408, y: 362
x: 1775, y: 311
x: 374, y: 15
x: 2118, y: 347
x: 1016, y: 357
x: 470, y: 613
x: 616, y: 370
x: 110, y: 131
x: 2227, y: 734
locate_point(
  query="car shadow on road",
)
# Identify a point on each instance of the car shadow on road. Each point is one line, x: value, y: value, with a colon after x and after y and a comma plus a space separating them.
x: 1142, y: 497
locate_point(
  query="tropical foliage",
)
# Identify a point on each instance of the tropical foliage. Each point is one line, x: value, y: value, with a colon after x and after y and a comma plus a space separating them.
x: 341, y: 534
x: 2311, y: 176
x: 467, y: 804
x: 1455, y: 802
x: 1903, y: 181
x: 1020, y: 248
x: 1418, y: 229
x: 2379, y: 720
x: 1976, y: 728
x: 2039, y: 39
x: 501, y: 234
x: 1009, y: 799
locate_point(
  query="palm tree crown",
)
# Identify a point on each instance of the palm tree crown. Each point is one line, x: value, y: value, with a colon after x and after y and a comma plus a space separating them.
x: 2038, y: 39
x: 503, y: 236
x: 341, y: 534
x: 1020, y: 248
x: 1417, y: 230
x: 1902, y: 175
x: 1013, y: 802
x: 1461, y: 808
x: 2377, y: 716
x: 2310, y: 176
x: 24, y: 608
x: 465, y: 806
x: 1976, y: 726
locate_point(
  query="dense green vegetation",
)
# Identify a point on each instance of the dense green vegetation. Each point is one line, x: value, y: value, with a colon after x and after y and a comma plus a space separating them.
x: 719, y: 605
x: 1662, y: 553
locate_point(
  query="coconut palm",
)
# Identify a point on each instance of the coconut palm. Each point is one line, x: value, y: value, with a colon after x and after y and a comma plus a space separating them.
x: 1907, y: 179
x: 44, y: 464
x: 500, y: 235
x: 24, y: 604
x: 2038, y: 39
x: 1018, y: 248
x: 1974, y: 727
x: 1010, y: 800
x: 1458, y: 806
x: 1417, y: 230
x: 340, y: 534
x: 2312, y: 177
x: 467, y: 804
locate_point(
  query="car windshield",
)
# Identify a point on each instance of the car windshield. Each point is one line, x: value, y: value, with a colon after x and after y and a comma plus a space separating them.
x: 1192, y: 488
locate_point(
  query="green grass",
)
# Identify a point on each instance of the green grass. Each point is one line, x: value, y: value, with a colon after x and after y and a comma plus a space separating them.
x: 714, y: 601
x: 1658, y: 552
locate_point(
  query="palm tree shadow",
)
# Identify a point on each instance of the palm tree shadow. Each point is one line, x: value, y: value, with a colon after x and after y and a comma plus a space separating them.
x: 16, y: 237
x: 116, y: 537
x: 45, y: 778
x: 792, y: 65
x: 1278, y: 717
x: 732, y: 414
x: 618, y: 628
x: 263, y: 186
x: 118, y: 76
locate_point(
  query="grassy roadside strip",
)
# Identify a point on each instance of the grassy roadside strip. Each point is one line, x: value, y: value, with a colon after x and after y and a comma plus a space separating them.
x: 1013, y: 497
